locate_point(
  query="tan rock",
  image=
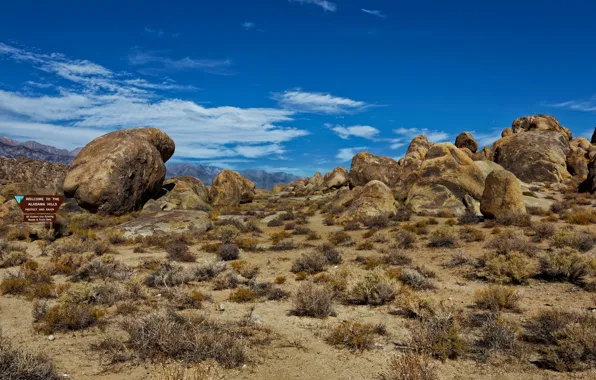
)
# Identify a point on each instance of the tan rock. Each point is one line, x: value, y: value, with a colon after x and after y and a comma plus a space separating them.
x: 535, y: 156
x: 279, y: 188
x: 485, y: 153
x: 36, y: 177
x: 167, y: 222
x: 539, y: 123
x: 577, y: 162
x: 502, y: 195
x: 466, y: 140
x: 468, y: 152
x: 187, y: 193
x: 371, y: 200
x: 231, y: 189
x: 446, y: 176
x: 335, y: 179
x: 120, y: 171
x: 507, y: 132
x: 367, y: 167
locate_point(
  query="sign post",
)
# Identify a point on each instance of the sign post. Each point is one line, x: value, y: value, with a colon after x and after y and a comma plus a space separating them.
x: 39, y: 209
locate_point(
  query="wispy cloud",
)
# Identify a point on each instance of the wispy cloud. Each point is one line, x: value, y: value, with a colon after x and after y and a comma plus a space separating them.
x: 374, y: 13
x: 93, y: 100
x: 578, y: 105
x: 432, y: 135
x: 317, y: 102
x: 346, y: 154
x: 157, y: 62
x: 248, y: 25
x: 326, y: 5
x: 159, y: 33
x: 364, y: 131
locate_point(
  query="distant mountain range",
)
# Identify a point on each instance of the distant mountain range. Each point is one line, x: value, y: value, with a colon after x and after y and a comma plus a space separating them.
x: 10, y: 148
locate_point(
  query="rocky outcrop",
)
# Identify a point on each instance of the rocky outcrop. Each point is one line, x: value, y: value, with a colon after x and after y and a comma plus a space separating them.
x: 335, y: 179
x: 589, y: 184
x: 368, y: 167
x: 535, y: 156
x: 466, y: 140
x: 593, y: 139
x: 31, y: 176
x: 231, y: 189
x: 485, y: 154
x: 502, y: 195
x: 167, y: 223
x: 540, y: 123
x: 582, y: 151
x: 278, y: 188
x: 120, y: 171
x: 506, y: 132
x: 368, y: 201
x: 187, y: 193
x: 445, y: 178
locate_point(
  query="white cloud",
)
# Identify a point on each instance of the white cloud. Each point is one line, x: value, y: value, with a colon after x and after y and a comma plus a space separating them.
x: 578, y: 105
x: 346, y: 154
x: 316, y: 102
x: 484, y: 139
x: 101, y: 101
x: 432, y: 135
x: 363, y: 131
x: 162, y: 63
x: 326, y: 5
x: 248, y: 25
x: 374, y: 13
x: 154, y: 32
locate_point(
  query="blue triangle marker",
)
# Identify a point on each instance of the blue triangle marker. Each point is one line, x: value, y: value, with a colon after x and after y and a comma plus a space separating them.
x: 19, y: 198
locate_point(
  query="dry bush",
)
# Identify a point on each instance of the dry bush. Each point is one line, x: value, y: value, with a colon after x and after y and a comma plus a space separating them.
x: 245, y: 269
x: 352, y: 335
x: 513, y: 267
x: 411, y: 305
x: 179, y: 252
x: 460, y: 259
x: 471, y: 234
x: 375, y: 289
x: 290, y: 226
x: 284, y: 245
x: 280, y: 280
x: 403, y: 214
x: 443, y: 237
x: 225, y: 280
x: 380, y: 237
x: 285, y: 216
x: 332, y: 254
x: 543, y: 230
x: 13, y: 259
x: 567, y: 264
x: 416, y: 280
x: 279, y: 236
x: 228, y: 252
x: 405, y: 239
x: 538, y: 211
x: 469, y: 218
x: 312, y: 301
x: 116, y: 237
x: 242, y: 295
x: 105, y: 268
x: 439, y: 336
x: 17, y: 363
x: 515, y: 219
x: 105, y: 293
x: 558, y: 207
x: 511, y: 241
x: 396, y: 256
x: 211, y: 247
x: 581, y: 240
x: 247, y: 244
x: 581, y: 216
x: 227, y: 233
x: 352, y: 226
x: 168, y: 275
x: 185, y: 298
x: 497, y: 298
x: 410, y: 366
x: 164, y: 334
x: 365, y: 246
x: 313, y: 236
x: 544, y: 328
x: 379, y: 221
x: 275, y: 223
x: 339, y: 237
x: 311, y: 262
x: 68, y: 317
x: 184, y: 372
x: 497, y: 335
x: 301, y: 230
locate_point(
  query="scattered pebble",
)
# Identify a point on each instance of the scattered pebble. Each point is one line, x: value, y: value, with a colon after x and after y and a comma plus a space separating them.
x: 51, y: 338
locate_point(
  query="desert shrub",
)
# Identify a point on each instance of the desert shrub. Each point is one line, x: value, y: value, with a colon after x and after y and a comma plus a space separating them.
x: 545, y: 327
x: 558, y: 207
x: 410, y: 366
x: 332, y: 254
x: 581, y: 216
x: 313, y: 236
x: 416, y: 280
x: 168, y: 275
x: 280, y: 280
x: 365, y: 246
x: 512, y: 267
x: 352, y: 226
x: 184, y: 372
x: 542, y: 231
x: 469, y: 218
x: 403, y: 214
x: 583, y: 241
x: 226, y: 280
x: 301, y: 230
x: 460, y: 259
x: 245, y: 269
x: 247, y: 244
x: 21, y: 364
x: 290, y: 226
x: 284, y: 245
x: 405, y: 239
x: 227, y: 233
x: 508, y: 242
x: 211, y: 247
x: 470, y: 234
x: 443, y: 237
x: 116, y: 237
x: 163, y: 334
x: 339, y: 237
x: 104, y: 268
x: 497, y: 298
x: 379, y: 221
x: 312, y: 301
x: 279, y: 236
x: 275, y: 223
x: 68, y: 317
x: 311, y: 262
x: 495, y: 335
x: 205, y: 271
x: 179, y: 252
x: 14, y: 285
x: 228, y: 252
x: 375, y: 289
x: 13, y: 259
x: 515, y: 219
x: 380, y: 237
x: 397, y: 257
x: 242, y: 295
x: 329, y: 220
x: 352, y: 335
x: 288, y: 215
x: 439, y: 336
x: 567, y: 264
x: 411, y: 305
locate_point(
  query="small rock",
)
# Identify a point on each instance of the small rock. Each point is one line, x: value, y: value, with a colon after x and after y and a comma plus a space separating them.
x: 51, y: 338
x: 221, y: 307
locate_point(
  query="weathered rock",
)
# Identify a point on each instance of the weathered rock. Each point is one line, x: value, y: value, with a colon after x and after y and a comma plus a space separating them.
x: 466, y: 140
x: 468, y: 153
x: 167, y: 222
x: 507, y: 132
x: 413, y: 158
x: 540, y: 123
x: 485, y: 154
x: 502, y: 195
x: 38, y: 177
x: 535, y: 156
x: 446, y: 176
x: 187, y: 193
x: 335, y: 179
x: 231, y: 189
x: 371, y: 200
x: 577, y: 162
x: 589, y: 184
x: 120, y: 171
x: 279, y: 188
x: 367, y: 167
x: 316, y: 180
x: 583, y: 143
x: 593, y: 140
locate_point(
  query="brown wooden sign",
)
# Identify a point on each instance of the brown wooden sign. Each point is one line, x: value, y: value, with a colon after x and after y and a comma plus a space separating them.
x: 40, y: 208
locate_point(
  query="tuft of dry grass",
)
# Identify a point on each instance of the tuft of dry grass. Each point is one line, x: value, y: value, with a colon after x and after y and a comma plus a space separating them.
x: 416, y: 280
x: 21, y: 364
x: 497, y: 298
x: 567, y: 264
x: 179, y: 251
x: 339, y: 237
x: 184, y: 372
x: 405, y: 239
x: 313, y: 301
x: 375, y: 289
x: 353, y: 336
x: 410, y: 366
x: 513, y: 267
x: 242, y: 295
x: 444, y: 237
x: 67, y: 317
x: 439, y: 336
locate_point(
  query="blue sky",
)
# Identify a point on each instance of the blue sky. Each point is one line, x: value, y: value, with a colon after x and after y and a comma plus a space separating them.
x: 295, y: 86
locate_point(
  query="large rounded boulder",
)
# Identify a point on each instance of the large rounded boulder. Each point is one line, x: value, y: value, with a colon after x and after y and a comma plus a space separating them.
x: 448, y: 181
x: 502, y: 195
x: 371, y: 200
x: 120, y: 171
x: 539, y: 123
x: 466, y: 140
x: 535, y: 156
x: 231, y: 189
x: 335, y: 179
x: 368, y: 167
